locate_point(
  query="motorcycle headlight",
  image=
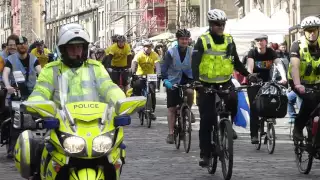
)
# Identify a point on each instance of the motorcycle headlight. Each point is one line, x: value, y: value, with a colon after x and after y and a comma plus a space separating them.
x: 102, y: 144
x: 74, y: 144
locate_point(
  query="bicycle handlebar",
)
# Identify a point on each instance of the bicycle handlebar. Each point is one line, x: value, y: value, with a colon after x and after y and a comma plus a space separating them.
x: 213, y: 89
x: 311, y: 90
x: 176, y: 86
x: 120, y: 70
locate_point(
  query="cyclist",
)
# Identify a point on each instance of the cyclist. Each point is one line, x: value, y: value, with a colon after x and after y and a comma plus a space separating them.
x: 159, y: 50
x: 176, y: 69
x: 114, y: 40
x: 304, y: 71
x: 120, y: 58
x: 213, y: 62
x: 144, y: 63
x: 99, y: 54
x: 43, y: 54
x: 26, y: 66
x: 260, y: 60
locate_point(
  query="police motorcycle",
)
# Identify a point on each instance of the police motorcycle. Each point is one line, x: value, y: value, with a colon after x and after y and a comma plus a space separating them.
x: 84, y: 139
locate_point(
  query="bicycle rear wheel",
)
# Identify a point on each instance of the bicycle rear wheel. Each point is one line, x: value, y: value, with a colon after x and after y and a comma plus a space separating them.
x: 271, y: 138
x: 141, y: 116
x: 186, y: 121
x: 226, y: 148
x: 149, y: 110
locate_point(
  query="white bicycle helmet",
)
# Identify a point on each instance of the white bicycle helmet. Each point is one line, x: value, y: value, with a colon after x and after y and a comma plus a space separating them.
x: 310, y: 21
x: 146, y: 42
x: 216, y: 15
x: 73, y: 34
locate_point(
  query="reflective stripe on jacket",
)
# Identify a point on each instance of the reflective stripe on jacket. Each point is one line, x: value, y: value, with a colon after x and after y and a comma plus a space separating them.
x: 90, y: 82
x: 216, y: 64
x: 305, y: 60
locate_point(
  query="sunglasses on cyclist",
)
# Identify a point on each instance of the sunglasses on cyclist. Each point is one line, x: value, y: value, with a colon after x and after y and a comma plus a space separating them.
x: 310, y: 30
x: 218, y: 23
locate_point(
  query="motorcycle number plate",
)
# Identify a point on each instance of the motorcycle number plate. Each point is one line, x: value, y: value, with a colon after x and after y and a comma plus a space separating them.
x: 152, y: 77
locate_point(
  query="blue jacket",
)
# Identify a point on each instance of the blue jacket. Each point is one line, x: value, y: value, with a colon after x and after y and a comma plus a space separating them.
x: 172, y: 67
x: 17, y: 66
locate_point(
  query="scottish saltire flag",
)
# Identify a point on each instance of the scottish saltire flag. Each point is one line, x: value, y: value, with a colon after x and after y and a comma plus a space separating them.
x: 242, y: 117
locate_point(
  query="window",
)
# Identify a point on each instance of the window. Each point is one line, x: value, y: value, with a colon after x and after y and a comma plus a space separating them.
x: 103, y: 21
x: 99, y: 22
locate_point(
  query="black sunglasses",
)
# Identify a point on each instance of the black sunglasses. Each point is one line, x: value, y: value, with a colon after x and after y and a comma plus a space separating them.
x: 218, y: 23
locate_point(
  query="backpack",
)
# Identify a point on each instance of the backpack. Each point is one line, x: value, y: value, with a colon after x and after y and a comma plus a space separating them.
x: 271, y: 101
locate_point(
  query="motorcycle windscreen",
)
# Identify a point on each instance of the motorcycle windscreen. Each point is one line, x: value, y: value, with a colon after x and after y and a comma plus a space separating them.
x: 79, y: 93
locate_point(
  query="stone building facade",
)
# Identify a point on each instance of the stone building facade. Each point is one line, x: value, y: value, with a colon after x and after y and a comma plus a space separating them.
x: 5, y: 20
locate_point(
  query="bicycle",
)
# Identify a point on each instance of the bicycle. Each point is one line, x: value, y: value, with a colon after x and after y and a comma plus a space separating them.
x: 147, y: 110
x: 311, y: 142
x: 268, y: 135
x: 222, y: 134
x: 183, y: 120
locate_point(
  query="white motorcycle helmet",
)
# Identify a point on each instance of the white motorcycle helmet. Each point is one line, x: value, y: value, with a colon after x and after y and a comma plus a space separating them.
x: 216, y: 15
x: 73, y: 34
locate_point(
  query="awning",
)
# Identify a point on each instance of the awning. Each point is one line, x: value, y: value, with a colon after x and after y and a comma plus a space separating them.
x: 166, y: 35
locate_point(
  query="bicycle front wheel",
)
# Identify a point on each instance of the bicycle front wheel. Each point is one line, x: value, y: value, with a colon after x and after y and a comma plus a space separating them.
x: 186, y: 115
x: 226, y: 139
x: 271, y: 138
x: 302, y: 150
x: 149, y: 110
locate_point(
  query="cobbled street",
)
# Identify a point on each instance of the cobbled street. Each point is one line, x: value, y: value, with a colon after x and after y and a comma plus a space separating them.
x: 150, y: 158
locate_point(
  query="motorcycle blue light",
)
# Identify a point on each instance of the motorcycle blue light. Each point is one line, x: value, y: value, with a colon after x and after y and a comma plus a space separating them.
x: 50, y: 123
x: 122, y: 146
x: 122, y: 120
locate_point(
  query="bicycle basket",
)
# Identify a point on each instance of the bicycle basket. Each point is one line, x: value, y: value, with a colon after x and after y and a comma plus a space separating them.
x: 271, y: 101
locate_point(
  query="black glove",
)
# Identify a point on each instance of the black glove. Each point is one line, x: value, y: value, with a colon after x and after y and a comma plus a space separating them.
x: 50, y: 57
x: 253, y: 78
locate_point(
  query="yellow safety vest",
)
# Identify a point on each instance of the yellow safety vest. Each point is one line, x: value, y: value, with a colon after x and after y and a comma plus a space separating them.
x: 90, y: 82
x: 215, y: 66
x: 305, y: 59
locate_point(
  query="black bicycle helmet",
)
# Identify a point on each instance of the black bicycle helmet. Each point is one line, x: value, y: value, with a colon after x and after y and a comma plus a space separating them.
x: 183, y: 33
x: 114, y: 38
x: 121, y: 38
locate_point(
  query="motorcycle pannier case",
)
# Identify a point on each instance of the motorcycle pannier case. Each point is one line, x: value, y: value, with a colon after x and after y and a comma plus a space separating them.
x: 271, y: 101
x: 25, y: 151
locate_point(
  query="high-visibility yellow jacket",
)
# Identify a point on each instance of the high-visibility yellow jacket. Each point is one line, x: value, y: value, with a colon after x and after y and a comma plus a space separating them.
x: 90, y: 82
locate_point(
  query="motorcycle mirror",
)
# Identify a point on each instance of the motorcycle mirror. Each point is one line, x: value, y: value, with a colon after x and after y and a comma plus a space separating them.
x: 42, y: 108
x: 123, y: 120
x: 130, y: 105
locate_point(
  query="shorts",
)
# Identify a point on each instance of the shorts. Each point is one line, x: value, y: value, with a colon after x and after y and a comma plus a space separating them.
x: 173, y: 98
x: 115, y: 76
